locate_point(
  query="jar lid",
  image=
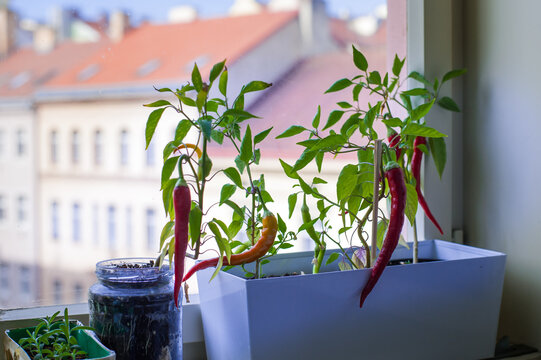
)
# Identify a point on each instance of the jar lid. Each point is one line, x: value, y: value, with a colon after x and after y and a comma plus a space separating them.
x: 133, y: 271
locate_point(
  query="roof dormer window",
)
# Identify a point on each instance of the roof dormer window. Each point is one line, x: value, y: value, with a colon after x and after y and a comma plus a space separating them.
x: 148, y: 67
x: 88, y: 72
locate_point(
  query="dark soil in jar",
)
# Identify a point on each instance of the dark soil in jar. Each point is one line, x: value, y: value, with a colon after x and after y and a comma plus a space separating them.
x: 137, y: 318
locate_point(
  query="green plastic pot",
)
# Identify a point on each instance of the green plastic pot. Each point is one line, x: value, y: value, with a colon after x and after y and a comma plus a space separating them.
x: 86, y: 339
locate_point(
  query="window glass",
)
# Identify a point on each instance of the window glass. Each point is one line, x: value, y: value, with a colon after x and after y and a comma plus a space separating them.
x: 95, y: 75
x: 124, y: 147
x: 54, y: 146
x: 25, y: 279
x: 3, y: 211
x: 21, y: 142
x: 21, y: 208
x: 55, y: 230
x: 98, y: 147
x: 4, y: 277
x: 76, y: 223
x: 111, y: 225
x: 75, y: 147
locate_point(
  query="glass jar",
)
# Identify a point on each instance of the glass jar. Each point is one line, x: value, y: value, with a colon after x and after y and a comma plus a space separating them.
x: 133, y: 311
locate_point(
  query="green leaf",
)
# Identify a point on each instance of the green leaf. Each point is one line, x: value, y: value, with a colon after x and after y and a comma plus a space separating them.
x: 420, y: 111
x: 417, y: 76
x: 319, y: 160
x: 306, y: 157
x: 382, y: 228
x: 261, y: 136
x: 317, y: 180
x: 292, y: 201
x: 334, y: 117
x: 167, y: 194
x: 246, y: 151
x: 222, y: 86
x: 347, y: 180
x: 254, y: 86
x: 194, y: 222
x: 397, y: 65
x: 453, y: 74
x: 152, y: 122
x: 167, y: 232
x: 448, y: 104
x: 416, y: 92
x: 421, y: 130
x: 439, y: 153
x: 241, y: 165
x: 239, y: 114
x: 374, y: 78
x: 237, y: 209
x: 332, y: 258
x: 352, y: 121
x: 159, y: 103
x: 217, y: 136
x: 168, y: 149
x: 187, y: 101
x: 359, y: 60
x: 239, y: 102
x: 288, y: 170
x: 315, y: 122
x: 393, y: 122
x: 291, y: 131
x: 216, y: 70
x: 182, y: 130
x: 344, y: 104
x: 200, y: 100
x: 227, y: 191
x: 411, y: 203
x: 339, y: 85
x: 234, y: 176
x: 371, y: 115
x: 196, y: 78
x: 168, y: 168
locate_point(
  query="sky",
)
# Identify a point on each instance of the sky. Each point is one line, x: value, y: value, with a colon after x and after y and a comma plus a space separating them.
x: 156, y: 10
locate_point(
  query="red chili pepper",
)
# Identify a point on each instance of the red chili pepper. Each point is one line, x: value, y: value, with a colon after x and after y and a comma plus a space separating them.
x: 394, y: 139
x: 268, y: 233
x: 182, y: 203
x: 416, y: 171
x: 397, y: 187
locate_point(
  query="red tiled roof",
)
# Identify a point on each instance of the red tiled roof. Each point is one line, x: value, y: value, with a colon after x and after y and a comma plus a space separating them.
x: 25, y: 70
x: 169, y: 50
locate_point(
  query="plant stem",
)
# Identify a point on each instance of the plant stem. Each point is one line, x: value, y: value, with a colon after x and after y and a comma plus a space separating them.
x: 415, y: 243
x: 377, y: 160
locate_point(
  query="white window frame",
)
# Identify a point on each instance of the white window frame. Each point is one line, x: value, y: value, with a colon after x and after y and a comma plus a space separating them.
x: 433, y: 48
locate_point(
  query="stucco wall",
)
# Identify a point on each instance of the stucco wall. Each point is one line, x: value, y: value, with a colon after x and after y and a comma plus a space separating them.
x: 502, y: 206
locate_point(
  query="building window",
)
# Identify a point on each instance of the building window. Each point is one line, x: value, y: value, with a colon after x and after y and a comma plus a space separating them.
x: 78, y: 293
x: 129, y: 233
x: 111, y: 225
x: 57, y: 291
x: 76, y: 222
x: 98, y: 147
x: 3, y: 210
x: 54, y: 146
x: 4, y: 277
x: 2, y: 142
x: 22, y: 205
x: 25, y: 278
x: 151, y: 155
x: 95, y: 223
x: 124, y: 147
x: 21, y: 142
x: 151, y: 228
x: 54, y: 221
x: 75, y: 147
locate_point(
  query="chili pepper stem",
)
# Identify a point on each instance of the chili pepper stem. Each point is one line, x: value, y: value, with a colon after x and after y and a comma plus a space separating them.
x: 377, y: 161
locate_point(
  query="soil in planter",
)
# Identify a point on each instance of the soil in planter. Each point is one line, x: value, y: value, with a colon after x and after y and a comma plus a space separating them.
x: 138, y: 321
x: 408, y: 261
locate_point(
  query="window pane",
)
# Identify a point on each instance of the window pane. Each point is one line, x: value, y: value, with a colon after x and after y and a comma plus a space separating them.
x: 75, y: 147
x: 111, y: 226
x: 54, y: 146
x: 98, y: 147
x: 124, y: 147
x: 21, y: 209
x: 21, y: 142
x: 3, y: 212
x: 151, y: 229
x: 76, y: 222
x: 54, y: 221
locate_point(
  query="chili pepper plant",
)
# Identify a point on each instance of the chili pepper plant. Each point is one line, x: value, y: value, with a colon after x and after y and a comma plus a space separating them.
x: 387, y: 165
x: 207, y: 115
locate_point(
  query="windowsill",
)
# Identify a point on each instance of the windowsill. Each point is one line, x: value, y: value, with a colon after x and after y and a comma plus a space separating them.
x: 192, y: 328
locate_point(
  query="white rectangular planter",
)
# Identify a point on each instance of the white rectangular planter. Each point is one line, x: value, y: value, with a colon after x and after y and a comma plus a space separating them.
x: 441, y: 310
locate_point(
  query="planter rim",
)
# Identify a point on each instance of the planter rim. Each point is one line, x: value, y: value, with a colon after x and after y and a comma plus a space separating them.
x: 474, y: 252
